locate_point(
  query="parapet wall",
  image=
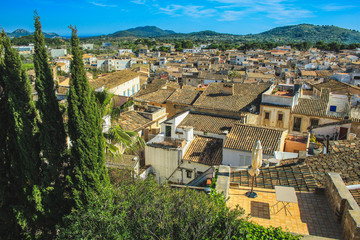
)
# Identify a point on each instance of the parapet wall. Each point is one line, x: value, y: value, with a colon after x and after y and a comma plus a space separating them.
x: 346, y: 210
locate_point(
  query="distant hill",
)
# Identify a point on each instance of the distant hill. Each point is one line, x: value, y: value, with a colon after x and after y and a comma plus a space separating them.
x: 22, y: 32
x: 147, y: 31
x: 309, y: 33
x: 294, y: 33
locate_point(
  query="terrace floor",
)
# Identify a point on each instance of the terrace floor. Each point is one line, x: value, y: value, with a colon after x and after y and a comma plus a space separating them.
x: 310, y: 216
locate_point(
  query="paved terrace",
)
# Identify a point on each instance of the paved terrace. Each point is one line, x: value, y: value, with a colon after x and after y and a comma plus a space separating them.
x: 310, y: 216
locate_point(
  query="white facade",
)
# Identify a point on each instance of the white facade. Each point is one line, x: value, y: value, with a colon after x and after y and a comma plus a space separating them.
x: 124, y: 51
x: 237, y: 158
x: 116, y: 64
x: 67, y: 64
x: 128, y: 88
x: 88, y: 46
x: 55, y: 53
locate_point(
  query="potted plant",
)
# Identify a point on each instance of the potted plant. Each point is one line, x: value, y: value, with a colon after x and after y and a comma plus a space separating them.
x: 318, y: 148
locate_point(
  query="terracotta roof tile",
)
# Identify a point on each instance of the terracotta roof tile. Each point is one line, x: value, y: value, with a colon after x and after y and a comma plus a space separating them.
x: 159, y: 96
x: 243, y: 137
x: 132, y: 121
x: 245, y: 95
x: 205, y: 150
x: 184, y: 96
x: 313, y: 107
x: 114, y: 79
x: 207, y: 123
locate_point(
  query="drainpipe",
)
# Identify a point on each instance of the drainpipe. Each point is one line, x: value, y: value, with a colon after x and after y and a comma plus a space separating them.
x: 327, y: 144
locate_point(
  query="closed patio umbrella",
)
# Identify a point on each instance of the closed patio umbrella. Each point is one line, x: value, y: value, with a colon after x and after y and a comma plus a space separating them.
x: 254, y: 170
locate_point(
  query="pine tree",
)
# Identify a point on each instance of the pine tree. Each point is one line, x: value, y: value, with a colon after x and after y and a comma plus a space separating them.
x: 84, y: 124
x: 52, y: 132
x: 22, y: 203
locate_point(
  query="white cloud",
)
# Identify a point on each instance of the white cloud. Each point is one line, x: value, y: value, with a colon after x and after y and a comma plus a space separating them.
x: 232, y: 15
x: 280, y: 10
x: 102, y: 5
x: 139, y: 1
x: 188, y: 10
x: 333, y: 7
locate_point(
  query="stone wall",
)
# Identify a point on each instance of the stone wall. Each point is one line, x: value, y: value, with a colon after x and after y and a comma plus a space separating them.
x: 223, y: 180
x: 346, y: 210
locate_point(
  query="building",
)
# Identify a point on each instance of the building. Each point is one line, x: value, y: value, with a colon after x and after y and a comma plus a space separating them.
x: 87, y: 46
x: 123, y: 83
x: 179, y: 156
x: 56, y: 53
x: 241, y: 139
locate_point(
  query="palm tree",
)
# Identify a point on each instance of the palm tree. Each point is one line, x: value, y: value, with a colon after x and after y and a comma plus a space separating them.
x: 120, y: 141
x: 117, y: 140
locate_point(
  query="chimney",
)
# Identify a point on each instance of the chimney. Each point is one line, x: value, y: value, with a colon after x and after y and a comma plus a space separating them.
x: 189, y: 133
x: 228, y: 89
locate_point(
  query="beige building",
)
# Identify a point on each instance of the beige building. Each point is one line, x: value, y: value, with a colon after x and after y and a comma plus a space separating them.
x: 122, y: 83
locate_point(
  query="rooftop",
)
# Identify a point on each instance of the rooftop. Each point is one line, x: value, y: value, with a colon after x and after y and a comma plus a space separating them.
x: 114, y: 79
x: 205, y: 150
x: 243, y: 137
x: 308, y: 175
x: 313, y: 106
x: 208, y: 123
x: 310, y: 216
x: 184, y: 96
x: 243, y: 98
x: 159, y: 96
x: 133, y: 121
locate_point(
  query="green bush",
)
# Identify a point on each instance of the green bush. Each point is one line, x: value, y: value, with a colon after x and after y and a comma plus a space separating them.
x: 147, y: 210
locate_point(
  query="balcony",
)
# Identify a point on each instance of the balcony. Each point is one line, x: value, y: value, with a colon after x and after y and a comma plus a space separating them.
x: 280, y: 95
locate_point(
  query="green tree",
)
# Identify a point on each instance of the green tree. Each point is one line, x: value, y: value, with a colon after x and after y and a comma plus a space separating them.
x: 117, y: 140
x: 52, y: 132
x: 87, y: 150
x: 147, y: 210
x: 21, y: 202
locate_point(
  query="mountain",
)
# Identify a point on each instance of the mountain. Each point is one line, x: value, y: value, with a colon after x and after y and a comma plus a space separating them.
x: 22, y: 32
x: 147, y: 31
x: 19, y: 33
x: 309, y: 33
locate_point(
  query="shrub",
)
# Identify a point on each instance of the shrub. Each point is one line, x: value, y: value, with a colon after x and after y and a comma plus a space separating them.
x: 147, y: 210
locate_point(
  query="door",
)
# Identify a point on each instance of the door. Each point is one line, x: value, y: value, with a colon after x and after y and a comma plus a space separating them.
x: 343, y: 133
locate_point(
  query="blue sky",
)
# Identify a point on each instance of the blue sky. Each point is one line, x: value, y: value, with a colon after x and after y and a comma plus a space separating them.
x: 94, y: 17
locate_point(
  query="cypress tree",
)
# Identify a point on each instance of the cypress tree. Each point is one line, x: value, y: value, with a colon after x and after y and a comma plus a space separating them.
x: 84, y: 124
x: 22, y: 203
x: 52, y: 136
x: 5, y: 212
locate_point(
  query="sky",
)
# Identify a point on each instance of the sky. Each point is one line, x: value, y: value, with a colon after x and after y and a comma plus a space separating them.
x: 95, y: 17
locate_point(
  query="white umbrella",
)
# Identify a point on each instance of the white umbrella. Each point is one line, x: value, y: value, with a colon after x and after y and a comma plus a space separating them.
x: 256, y: 162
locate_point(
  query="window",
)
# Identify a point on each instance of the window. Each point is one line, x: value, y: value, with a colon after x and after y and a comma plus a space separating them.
x: 124, y: 93
x: 332, y: 108
x: 188, y: 173
x: 314, y: 122
x: 280, y: 117
x: 168, y: 131
x: 128, y: 92
x: 267, y: 115
x: 297, y: 124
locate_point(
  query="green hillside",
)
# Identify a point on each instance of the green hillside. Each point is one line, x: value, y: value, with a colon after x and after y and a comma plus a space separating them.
x: 147, y: 31
x: 308, y: 33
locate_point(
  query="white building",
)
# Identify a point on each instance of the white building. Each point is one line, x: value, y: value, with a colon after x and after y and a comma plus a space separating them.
x: 125, y: 51
x: 122, y: 83
x: 87, y: 46
x: 56, y: 53
x: 177, y: 155
x: 241, y: 139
